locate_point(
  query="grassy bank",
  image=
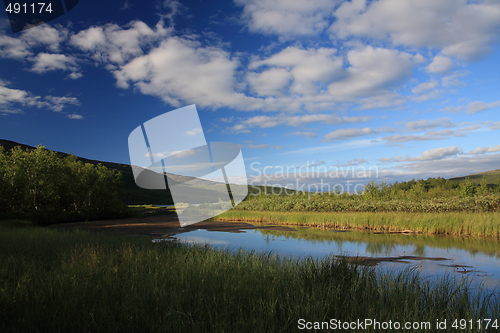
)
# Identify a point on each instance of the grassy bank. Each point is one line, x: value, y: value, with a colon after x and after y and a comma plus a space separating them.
x: 61, y: 281
x: 407, y: 202
x: 455, y: 224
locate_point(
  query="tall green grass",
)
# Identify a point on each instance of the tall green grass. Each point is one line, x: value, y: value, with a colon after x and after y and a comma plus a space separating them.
x: 417, y: 202
x: 455, y: 224
x: 61, y: 281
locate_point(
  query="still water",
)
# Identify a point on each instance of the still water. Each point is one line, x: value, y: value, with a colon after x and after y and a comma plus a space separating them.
x: 475, y: 259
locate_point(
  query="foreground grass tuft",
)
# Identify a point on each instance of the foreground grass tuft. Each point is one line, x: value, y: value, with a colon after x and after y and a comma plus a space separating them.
x: 61, y: 281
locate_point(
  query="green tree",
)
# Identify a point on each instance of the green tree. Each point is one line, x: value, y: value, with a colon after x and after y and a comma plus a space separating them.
x: 419, y: 189
x: 6, y: 188
x: 371, y: 190
x: 467, y: 188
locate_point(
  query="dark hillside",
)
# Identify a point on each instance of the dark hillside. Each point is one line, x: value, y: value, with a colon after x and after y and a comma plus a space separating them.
x: 131, y: 195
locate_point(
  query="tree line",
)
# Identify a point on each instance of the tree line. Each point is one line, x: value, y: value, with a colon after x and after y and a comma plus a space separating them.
x: 40, y: 185
x: 429, y: 188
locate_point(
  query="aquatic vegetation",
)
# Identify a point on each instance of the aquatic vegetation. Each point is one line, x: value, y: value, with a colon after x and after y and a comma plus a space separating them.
x: 330, y: 202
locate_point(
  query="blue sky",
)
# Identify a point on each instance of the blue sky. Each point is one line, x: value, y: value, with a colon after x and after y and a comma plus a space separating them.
x: 316, y: 91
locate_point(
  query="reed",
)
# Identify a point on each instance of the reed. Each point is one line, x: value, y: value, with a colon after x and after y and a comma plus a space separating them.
x: 453, y: 224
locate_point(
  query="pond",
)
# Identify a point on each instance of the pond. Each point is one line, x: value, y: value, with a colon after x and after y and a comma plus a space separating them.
x: 475, y: 259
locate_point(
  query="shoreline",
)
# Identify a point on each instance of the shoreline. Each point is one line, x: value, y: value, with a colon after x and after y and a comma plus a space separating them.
x: 478, y: 225
x: 160, y: 226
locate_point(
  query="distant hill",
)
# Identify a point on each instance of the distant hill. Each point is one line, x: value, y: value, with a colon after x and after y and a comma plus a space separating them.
x: 134, y: 195
x: 492, y: 177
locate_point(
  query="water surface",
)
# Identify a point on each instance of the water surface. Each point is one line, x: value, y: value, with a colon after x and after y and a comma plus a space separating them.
x: 475, y: 259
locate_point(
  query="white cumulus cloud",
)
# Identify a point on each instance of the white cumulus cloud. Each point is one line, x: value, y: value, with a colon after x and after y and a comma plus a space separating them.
x: 475, y: 107
x: 183, y: 70
x: 45, y: 62
x: 459, y: 28
x: 287, y: 17
x: 441, y: 65
x: 371, y: 71
x: 347, y: 133
x: 484, y: 150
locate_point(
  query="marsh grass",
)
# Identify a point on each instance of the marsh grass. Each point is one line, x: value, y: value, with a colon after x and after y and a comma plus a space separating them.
x: 75, y: 281
x: 411, y: 201
x: 454, y: 224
